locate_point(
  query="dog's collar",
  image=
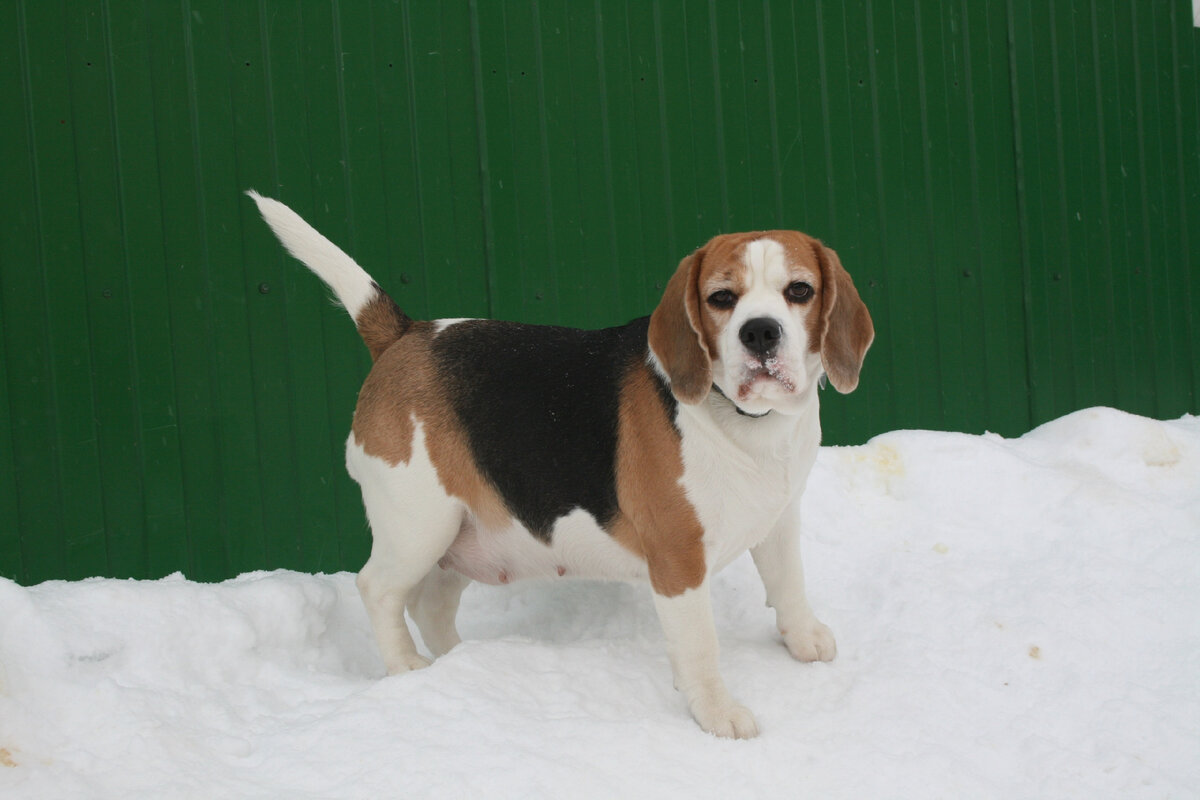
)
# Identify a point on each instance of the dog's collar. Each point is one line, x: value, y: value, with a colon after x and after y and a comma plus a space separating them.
x: 738, y: 408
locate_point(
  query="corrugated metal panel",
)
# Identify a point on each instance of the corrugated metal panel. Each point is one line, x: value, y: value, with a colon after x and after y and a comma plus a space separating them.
x: 1107, y: 126
x: 1013, y: 184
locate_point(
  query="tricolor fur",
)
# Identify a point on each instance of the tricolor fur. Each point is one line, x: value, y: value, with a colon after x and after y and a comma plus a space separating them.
x: 655, y: 451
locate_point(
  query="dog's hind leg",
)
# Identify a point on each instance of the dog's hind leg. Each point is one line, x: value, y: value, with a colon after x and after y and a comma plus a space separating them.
x: 413, y: 523
x: 404, y: 552
x: 434, y: 605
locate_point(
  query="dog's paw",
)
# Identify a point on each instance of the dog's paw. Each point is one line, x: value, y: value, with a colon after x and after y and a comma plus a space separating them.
x: 407, y: 663
x: 725, y: 718
x: 812, y: 641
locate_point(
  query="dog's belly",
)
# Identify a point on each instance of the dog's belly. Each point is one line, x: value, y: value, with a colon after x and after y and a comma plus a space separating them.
x: 578, y: 548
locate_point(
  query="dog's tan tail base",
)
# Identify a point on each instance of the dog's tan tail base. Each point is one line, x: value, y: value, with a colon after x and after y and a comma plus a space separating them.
x: 379, y: 320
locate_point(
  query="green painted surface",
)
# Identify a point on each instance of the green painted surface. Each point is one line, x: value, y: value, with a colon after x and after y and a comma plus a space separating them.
x: 1013, y: 183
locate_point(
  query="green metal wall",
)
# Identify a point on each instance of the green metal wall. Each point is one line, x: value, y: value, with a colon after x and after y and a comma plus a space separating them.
x: 1013, y: 184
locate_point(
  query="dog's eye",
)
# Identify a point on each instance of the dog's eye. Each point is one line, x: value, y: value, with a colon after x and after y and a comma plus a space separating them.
x: 722, y: 299
x: 798, y: 292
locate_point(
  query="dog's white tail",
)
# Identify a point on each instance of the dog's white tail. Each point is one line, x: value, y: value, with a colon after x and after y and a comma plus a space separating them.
x: 379, y: 320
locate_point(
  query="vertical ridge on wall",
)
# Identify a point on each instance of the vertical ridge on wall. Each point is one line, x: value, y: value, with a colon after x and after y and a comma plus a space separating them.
x: 882, y: 192
x: 127, y: 539
x: 270, y: 473
x: 1188, y: 102
x: 551, y: 293
x: 973, y: 372
x: 999, y: 253
x: 263, y: 454
x: 650, y: 212
x: 671, y: 242
x: 67, y: 297
x: 722, y: 177
x: 17, y: 176
x: 617, y: 286
x: 1145, y: 259
x: 162, y: 470
x: 485, y: 205
x: 399, y: 116
x: 1181, y: 274
x: 169, y: 223
x: 36, y: 512
x: 847, y: 117
x: 936, y: 289
x: 216, y: 318
x: 1180, y: 319
x: 254, y: 100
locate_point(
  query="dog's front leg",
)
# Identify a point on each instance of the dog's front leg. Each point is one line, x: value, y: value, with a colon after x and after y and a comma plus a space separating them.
x: 687, y: 621
x: 779, y: 565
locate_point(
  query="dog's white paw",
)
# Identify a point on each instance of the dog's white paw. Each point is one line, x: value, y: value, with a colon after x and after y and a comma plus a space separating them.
x: 725, y: 718
x: 812, y: 641
x: 407, y: 663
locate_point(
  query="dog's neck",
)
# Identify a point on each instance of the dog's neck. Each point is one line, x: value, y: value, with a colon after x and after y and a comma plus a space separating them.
x: 738, y: 408
x: 774, y: 436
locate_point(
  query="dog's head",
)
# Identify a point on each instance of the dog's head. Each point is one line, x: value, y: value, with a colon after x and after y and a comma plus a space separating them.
x: 760, y: 316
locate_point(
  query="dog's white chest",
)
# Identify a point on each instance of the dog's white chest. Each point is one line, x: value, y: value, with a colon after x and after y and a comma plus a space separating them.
x: 740, y: 490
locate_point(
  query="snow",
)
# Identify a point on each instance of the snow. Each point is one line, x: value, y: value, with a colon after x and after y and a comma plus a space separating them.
x: 1015, y: 618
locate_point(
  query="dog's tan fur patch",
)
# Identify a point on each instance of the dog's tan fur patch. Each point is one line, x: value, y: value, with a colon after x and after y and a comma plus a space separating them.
x: 403, y: 386
x: 656, y: 521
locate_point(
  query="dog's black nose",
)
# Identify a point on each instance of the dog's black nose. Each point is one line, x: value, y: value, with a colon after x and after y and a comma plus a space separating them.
x: 760, y: 335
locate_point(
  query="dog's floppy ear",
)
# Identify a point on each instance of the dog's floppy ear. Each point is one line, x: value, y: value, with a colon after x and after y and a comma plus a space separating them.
x: 846, y: 328
x: 675, y: 334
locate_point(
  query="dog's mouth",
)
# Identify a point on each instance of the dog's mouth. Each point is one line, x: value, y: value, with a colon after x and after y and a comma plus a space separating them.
x: 769, y: 371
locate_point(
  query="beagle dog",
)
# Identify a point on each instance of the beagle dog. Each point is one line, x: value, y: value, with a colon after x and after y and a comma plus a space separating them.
x: 655, y: 451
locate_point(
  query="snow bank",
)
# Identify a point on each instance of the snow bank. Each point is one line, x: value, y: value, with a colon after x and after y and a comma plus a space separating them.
x: 1015, y: 618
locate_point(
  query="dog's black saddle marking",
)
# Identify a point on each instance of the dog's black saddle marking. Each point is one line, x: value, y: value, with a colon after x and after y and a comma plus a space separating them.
x: 539, y: 405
